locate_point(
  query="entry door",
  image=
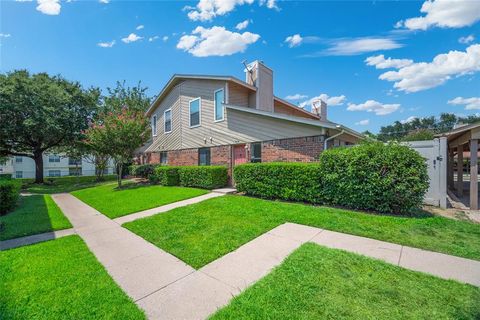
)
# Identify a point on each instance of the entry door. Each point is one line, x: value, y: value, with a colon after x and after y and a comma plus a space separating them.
x: 239, y: 154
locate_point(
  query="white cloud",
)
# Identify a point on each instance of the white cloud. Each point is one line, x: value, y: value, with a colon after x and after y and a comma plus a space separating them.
x: 467, y: 39
x: 365, y: 122
x: 469, y: 103
x: 294, y: 41
x: 296, y: 96
x: 271, y: 4
x: 5, y: 35
x: 216, y: 41
x: 355, y: 46
x: 381, y: 63
x: 380, y: 109
x: 165, y: 38
x: 445, y: 14
x: 132, y: 37
x: 104, y: 1
x: 140, y: 27
x: 206, y: 10
x: 151, y: 39
x: 50, y: 7
x: 242, y: 25
x: 330, y: 101
x: 425, y: 75
x: 408, y: 120
x: 106, y: 44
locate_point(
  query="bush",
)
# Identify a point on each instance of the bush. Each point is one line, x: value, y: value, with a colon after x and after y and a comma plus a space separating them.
x: 386, y: 178
x: 166, y: 176
x: 5, y: 176
x: 286, y: 181
x: 9, y: 193
x: 207, y: 177
x: 142, y: 170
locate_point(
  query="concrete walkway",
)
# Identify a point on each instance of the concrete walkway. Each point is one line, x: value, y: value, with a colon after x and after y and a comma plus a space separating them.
x: 167, y: 288
x: 23, y: 241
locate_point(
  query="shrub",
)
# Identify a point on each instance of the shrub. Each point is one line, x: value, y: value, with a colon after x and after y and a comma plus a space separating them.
x: 207, y: 177
x: 287, y: 181
x: 166, y: 176
x: 5, y: 176
x: 142, y: 170
x: 9, y: 193
x: 386, y: 178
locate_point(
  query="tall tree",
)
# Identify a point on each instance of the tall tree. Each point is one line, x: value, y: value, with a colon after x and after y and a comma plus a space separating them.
x: 39, y: 112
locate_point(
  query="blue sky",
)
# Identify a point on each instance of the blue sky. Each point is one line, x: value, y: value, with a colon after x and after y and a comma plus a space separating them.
x: 332, y: 50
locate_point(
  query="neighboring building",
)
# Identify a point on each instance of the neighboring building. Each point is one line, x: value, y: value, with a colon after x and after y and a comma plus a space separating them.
x: 221, y: 120
x: 54, y: 165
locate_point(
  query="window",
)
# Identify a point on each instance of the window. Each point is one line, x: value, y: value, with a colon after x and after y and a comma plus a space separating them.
x: 74, y: 171
x: 219, y: 100
x: 204, y: 156
x: 18, y: 174
x: 256, y: 152
x: 18, y: 159
x: 74, y: 162
x: 163, y: 157
x: 195, y: 107
x: 53, y: 158
x: 167, y: 118
x: 154, y: 125
x: 54, y: 173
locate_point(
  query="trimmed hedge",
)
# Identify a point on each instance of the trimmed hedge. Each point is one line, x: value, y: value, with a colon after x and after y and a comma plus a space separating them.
x: 387, y: 178
x: 9, y: 193
x: 5, y: 176
x: 206, y: 177
x: 142, y: 170
x: 166, y: 176
x: 282, y: 180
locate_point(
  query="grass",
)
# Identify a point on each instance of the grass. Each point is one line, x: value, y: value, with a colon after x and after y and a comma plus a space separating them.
x: 59, y: 279
x: 203, y: 232
x: 34, y: 214
x: 114, y: 202
x: 64, y: 184
x: 319, y: 283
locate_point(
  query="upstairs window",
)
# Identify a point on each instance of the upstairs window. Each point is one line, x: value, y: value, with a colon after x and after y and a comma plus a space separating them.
x: 154, y: 125
x: 167, y: 117
x: 53, y: 158
x: 256, y: 152
x: 163, y: 157
x: 219, y: 101
x: 204, y: 156
x: 18, y: 159
x: 195, y: 107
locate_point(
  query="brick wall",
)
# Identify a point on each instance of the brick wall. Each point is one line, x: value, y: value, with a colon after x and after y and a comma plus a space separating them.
x: 152, y: 157
x: 304, y: 149
x: 220, y: 155
x: 184, y: 157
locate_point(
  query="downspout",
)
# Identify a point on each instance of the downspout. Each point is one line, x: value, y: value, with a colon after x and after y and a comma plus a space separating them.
x: 332, y: 137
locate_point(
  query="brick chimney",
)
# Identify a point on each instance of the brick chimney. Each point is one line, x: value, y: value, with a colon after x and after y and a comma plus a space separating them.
x: 319, y: 107
x: 261, y: 77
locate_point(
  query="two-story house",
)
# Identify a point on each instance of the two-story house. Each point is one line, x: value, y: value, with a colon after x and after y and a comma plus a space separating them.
x: 221, y: 120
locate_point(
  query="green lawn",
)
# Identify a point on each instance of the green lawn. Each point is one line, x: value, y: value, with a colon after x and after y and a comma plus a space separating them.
x: 59, y: 279
x: 203, y: 232
x: 34, y: 214
x: 64, y: 184
x: 114, y: 202
x: 319, y: 283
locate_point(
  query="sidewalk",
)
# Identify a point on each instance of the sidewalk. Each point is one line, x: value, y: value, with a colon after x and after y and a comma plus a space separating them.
x: 167, y: 288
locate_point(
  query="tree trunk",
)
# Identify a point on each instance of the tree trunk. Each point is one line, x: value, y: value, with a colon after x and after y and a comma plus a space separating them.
x: 38, y: 158
x: 120, y: 167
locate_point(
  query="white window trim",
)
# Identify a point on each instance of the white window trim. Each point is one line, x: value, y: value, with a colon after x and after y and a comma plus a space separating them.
x: 165, y: 121
x: 199, y: 112
x: 154, y: 127
x: 215, y: 106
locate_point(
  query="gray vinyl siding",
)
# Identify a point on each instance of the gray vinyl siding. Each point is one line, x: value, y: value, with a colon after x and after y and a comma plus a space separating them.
x: 237, y: 126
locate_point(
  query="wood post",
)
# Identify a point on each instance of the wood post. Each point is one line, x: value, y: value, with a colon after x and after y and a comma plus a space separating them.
x: 450, y: 161
x: 474, y: 174
x: 460, y: 171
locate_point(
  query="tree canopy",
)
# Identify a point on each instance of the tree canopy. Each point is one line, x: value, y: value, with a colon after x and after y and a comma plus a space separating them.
x: 39, y: 112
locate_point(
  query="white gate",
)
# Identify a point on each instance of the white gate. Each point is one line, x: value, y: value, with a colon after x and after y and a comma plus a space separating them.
x: 435, y: 154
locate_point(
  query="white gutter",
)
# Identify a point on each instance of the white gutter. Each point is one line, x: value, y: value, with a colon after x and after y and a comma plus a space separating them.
x: 332, y: 137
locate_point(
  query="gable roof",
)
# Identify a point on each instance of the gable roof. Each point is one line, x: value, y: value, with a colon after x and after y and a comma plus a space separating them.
x: 176, y: 78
